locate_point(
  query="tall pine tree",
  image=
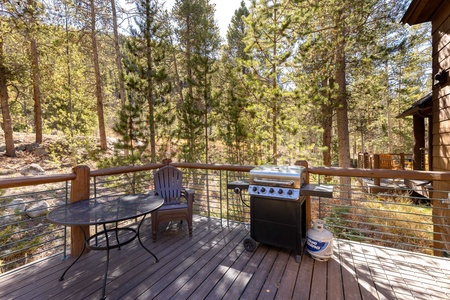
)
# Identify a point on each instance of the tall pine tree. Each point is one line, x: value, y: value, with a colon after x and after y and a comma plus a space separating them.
x: 269, y: 48
x: 199, y: 41
x: 232, y: 109
x: 146, y: 73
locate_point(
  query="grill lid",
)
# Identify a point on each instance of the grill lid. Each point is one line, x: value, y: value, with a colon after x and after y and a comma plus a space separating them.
x: 278, y: 171
x: 287, y: 176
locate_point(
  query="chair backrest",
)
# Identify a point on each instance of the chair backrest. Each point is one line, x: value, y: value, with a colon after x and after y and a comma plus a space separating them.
x: 168, y: 184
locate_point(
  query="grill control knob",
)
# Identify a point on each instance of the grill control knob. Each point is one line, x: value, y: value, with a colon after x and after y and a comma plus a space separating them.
x: 280, y: 192
x: 271, y: 190
x: 290, y: 192
x: 263, y: 190
x: 255, y: 188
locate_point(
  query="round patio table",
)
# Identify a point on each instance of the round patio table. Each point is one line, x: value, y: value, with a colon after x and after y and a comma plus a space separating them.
x: 102, y: 211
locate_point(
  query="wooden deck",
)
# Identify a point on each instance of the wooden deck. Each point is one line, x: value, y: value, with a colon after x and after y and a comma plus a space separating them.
x: 213, y: 264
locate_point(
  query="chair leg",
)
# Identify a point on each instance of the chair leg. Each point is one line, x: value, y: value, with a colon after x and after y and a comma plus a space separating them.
x: 190, y: 226
x: 154, y: 229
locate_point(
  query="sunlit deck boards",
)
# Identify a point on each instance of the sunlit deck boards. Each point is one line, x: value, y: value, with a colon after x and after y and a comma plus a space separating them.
x: 214, y: 265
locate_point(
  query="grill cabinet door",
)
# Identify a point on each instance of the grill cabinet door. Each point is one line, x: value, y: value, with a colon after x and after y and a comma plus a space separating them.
x: 278, y: 222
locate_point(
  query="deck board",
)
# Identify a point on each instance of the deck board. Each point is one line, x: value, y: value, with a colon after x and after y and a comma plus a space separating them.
x: 334, y: 277
x: 304, y: 279
x: 319, y: 282
x: 213, y: 264
x: 349, y: 278
x: 272, y: 283
x: 290, y: 274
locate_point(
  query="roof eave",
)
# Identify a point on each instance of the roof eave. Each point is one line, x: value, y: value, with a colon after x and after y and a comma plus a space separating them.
x: 421, y: 11
x: 421, y: 108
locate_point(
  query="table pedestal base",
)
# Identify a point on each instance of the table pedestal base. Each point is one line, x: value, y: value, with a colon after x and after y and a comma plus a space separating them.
x: 109, y: 246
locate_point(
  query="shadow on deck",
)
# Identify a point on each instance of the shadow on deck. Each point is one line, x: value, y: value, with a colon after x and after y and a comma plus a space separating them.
x: 212, y: 264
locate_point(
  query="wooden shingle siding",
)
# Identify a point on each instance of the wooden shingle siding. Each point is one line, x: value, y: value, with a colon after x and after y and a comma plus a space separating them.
x: 441, y: 163
x: 443, y: 152
x: 441, y: 94
x: 441, y: 123
x: 440, y: 140
x: 438, y: 13
x: 441, y: 39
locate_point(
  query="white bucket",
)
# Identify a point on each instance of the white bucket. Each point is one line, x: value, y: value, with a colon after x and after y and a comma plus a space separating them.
x: 319, y: 241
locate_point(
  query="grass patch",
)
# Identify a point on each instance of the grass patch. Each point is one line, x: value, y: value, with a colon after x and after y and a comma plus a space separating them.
x: 385, y: 220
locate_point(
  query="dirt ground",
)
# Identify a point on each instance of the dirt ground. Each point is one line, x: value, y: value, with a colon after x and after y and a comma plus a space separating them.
x: 28, y: 153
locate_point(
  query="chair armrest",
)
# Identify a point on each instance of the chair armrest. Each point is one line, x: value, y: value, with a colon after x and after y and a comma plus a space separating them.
x: 188, y: 194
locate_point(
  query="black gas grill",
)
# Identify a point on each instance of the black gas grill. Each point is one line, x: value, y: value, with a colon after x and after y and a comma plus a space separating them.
x: 277, y: 209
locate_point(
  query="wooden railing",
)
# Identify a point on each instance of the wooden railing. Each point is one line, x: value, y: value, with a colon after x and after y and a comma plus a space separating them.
x: 81, y: 189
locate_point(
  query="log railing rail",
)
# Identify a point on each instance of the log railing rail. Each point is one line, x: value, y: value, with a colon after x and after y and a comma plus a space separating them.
x: 80, y: 178
x: 330, y: 171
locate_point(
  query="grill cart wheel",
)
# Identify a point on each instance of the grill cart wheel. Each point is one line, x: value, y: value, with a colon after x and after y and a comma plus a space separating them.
x: 249, y: 245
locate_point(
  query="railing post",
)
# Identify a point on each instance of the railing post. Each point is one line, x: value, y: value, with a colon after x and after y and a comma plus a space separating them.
x: 304, y: 163
x: 440, y: 217
x: 79, y: 191
x: 402, y: 161
x: 360, y: 163
x: 376, y: 165
x: 435, y: 218
x: 419, y: 141
x: 366, y: 161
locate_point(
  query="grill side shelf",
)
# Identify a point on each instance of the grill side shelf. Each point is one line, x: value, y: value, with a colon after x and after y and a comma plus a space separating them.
x: 317, y: 190
x: 241, y: 184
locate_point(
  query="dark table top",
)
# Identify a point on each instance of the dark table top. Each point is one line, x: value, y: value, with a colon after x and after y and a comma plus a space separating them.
x: 106, y: 209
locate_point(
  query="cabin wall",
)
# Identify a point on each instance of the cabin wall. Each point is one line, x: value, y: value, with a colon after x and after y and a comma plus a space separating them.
x: 441, y: 123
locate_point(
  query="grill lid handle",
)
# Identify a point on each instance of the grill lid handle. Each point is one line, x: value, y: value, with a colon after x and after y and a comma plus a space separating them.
x: 280, y: 182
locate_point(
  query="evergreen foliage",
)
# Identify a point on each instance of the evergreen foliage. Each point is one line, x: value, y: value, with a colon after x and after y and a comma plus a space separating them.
x: 199, y: 42
x: 270, y: 93
x: 269, y: 47
x: 144, y: 65
x: 234, y: 116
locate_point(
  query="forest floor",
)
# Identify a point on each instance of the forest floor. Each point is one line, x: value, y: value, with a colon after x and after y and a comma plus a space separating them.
x: 28, y: 153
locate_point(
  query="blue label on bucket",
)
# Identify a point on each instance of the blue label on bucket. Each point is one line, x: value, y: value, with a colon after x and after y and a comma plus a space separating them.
x: 316, y: 246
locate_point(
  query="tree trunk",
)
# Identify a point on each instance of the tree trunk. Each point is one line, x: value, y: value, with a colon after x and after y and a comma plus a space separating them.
x: 4, y: 103
x: 275, y: 100
x: 118, y: 55
x: 190, y: 75
x: 118, y: 60
x: 36, y: 90
x: 342, y: 112
x: 150, y: 96
x: 342, y: 108
x: 98, y: 81
x: 177, y: 73
x: 206, y: 99
x: 327, y: 127
x: 388, y: 109
x: 35, y: 72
